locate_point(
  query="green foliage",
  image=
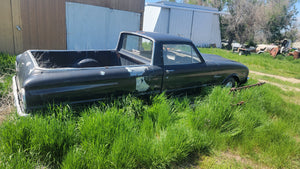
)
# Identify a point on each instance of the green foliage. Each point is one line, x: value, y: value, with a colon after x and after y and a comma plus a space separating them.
x: 160, y: 133
x: 147, y: 46
x: 45, y: 139
x: 274, y: 27
x: 281, y: 65
x: 5, y: 85
x: 7, y: 68
x: 7, y: 64
x: 263, y: 21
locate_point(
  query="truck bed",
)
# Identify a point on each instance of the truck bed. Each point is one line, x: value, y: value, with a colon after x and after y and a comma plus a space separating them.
x: 81, y: 59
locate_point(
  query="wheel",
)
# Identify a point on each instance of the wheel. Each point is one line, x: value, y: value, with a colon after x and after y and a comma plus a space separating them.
x: 230, y: 82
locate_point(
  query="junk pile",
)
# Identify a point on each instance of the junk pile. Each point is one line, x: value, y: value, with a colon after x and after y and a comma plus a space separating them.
x: 283, y: 47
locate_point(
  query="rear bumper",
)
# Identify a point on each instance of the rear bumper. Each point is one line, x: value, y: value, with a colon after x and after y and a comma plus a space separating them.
x: 20, y: 110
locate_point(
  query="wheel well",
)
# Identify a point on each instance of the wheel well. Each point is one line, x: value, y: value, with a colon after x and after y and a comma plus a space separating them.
x: 236, y: 78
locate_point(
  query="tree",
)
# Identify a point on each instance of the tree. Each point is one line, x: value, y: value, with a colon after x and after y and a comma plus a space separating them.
x: 255, y: 20
x: 211, y: 3
x: 240, y: 23
x: 259, y: 20
x: 281, y: 19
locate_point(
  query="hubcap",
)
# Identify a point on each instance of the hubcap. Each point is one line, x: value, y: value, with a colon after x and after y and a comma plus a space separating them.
x: 229, y: 84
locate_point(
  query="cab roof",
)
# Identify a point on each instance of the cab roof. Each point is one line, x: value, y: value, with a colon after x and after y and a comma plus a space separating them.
x: 160, y: 37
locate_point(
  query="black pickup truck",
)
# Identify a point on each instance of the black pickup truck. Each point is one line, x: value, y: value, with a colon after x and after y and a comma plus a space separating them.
x: 142, y: 63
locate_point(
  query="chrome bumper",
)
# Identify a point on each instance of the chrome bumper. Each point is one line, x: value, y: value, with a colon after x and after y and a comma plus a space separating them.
x: 20, y: 111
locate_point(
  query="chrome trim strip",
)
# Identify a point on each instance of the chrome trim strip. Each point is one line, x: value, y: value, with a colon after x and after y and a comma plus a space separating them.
x: 16, y: 98
x: 70, y: 88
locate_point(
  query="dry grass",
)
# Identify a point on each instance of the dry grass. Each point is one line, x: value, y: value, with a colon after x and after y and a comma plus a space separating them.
x: 229, y: 159
x: 6, y: 106
x: 6, y: 95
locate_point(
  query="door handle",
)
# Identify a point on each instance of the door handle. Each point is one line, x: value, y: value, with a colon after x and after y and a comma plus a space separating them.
x: 169, y: 71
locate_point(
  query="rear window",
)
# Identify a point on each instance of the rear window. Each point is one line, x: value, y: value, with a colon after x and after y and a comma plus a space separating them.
x: 138, y: 46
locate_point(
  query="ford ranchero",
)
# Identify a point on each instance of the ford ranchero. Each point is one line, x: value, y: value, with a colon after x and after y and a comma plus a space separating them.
x: 142, y: 63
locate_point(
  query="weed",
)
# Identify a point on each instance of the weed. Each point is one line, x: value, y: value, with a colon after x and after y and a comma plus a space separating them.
x: 7, y: 64
x: 161, y: 132
x: 164, y: 133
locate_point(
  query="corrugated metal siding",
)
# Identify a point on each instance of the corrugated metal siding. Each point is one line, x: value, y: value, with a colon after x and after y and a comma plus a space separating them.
x: 126, y: 5
x: 157, y: 20
x: 200, y: 26
x: 94, y: 27
x: 163, y: 22
x: 206, y: 29
x: 180, y: 23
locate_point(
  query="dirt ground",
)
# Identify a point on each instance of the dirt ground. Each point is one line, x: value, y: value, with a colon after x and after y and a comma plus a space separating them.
x: 283, y: 87
x: 6, y: 107
x: 292, y: 80
x: 296, y: 98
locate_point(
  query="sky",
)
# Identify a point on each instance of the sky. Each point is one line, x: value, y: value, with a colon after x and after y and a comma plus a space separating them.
x: 152, y: 1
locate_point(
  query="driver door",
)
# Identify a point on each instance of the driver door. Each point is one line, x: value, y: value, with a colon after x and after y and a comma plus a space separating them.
x: 184, y: 68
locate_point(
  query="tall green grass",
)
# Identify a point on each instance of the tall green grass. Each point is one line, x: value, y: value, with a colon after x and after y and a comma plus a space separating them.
x: 7, y: 69
x: 163, y: 132
x: 7, y: 64
x: 284, y: 66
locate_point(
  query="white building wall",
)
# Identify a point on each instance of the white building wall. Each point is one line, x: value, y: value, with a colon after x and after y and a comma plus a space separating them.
x: 180, y: 23
x: 157, y: 19
x: 206, y: 29
x: 151, y: 15
x: 94, y: 27
x: 201, y: 27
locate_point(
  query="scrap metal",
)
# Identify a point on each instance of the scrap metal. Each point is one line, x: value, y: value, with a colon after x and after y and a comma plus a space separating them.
x: 238, y: 104
x: 246, y: 87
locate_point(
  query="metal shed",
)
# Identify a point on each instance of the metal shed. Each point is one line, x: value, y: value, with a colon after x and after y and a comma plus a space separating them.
x: 66, y: 24
x: 198, y: 23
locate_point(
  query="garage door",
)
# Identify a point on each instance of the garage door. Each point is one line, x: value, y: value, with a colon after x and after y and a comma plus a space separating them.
x: 94, y: 27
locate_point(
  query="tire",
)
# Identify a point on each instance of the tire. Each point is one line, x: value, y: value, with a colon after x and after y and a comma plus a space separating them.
x: 88, y: 62
x: 231, y: 82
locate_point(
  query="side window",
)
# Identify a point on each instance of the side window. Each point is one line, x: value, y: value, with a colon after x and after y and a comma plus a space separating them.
x: 177, y: 54
x: 138, y: 46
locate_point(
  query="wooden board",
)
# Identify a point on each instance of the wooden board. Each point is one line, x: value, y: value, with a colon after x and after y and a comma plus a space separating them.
x: 6, y: 32
x: 44, y: 25
x: 17, y: 26
x: 126, y: 5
